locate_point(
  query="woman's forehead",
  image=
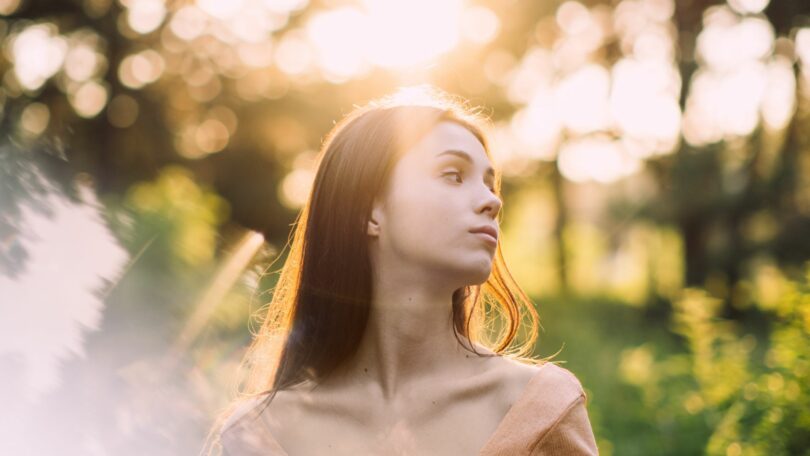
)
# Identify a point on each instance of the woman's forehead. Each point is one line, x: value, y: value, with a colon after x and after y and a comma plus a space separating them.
x: 447, y: 135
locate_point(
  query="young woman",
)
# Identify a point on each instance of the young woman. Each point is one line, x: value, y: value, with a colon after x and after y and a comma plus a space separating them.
x: 391, y: 328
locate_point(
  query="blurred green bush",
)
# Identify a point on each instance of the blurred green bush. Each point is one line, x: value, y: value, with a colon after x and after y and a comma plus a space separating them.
x: 694, y: 382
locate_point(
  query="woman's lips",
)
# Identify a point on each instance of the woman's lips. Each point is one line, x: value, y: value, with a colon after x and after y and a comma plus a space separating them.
x: 486, y: 232
x: 487, y: 237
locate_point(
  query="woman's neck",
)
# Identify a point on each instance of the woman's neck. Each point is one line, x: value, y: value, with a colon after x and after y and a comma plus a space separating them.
x: 409, y: 340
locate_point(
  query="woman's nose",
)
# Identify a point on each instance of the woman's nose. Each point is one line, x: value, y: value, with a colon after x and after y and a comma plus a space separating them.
x: 491, y: 204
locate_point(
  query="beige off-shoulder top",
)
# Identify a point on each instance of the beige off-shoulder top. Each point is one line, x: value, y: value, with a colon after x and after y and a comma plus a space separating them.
x: 549, y: 418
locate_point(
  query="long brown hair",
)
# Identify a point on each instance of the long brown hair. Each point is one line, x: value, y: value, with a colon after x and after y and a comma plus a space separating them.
x: 321, y: 302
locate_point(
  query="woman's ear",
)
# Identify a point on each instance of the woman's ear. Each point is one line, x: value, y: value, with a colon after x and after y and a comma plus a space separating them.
x: 373, y: 228
x: 374, y: 219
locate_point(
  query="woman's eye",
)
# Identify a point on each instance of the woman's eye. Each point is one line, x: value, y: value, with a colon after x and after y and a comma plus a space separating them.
x: 458, y: 174
x: 453, y: 173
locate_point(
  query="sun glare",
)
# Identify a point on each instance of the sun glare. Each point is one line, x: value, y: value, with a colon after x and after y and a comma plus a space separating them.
x: 389, y: 34
x: 411, y: 32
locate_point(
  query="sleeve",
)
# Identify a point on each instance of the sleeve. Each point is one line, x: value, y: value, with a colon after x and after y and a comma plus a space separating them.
x: 571, y: 434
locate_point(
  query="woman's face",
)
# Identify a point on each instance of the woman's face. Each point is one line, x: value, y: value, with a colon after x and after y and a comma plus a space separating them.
x: 440, y: 190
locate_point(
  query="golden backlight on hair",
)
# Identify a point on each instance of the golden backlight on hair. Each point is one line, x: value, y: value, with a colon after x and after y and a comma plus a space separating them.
x: 318, y: 312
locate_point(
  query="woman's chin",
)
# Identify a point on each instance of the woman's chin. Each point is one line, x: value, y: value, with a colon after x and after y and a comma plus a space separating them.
x: 480, y: 276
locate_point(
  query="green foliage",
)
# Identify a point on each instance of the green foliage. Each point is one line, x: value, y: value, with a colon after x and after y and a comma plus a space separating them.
x: 594, y: 334
x: 182, y: 217
x: 749, y: 406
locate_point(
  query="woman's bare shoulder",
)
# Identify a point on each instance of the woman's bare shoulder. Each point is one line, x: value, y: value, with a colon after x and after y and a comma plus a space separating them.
x: 242, y: 409
x: 244, y: 431
x: 542, y: 376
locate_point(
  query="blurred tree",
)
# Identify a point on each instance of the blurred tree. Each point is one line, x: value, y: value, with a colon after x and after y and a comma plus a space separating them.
x: 240, y: 97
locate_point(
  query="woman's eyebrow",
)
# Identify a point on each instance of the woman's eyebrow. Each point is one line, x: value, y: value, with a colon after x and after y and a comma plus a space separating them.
x: 465, y: 156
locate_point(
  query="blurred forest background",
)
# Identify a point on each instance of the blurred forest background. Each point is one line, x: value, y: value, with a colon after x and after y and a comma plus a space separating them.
x: 656, y: 163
